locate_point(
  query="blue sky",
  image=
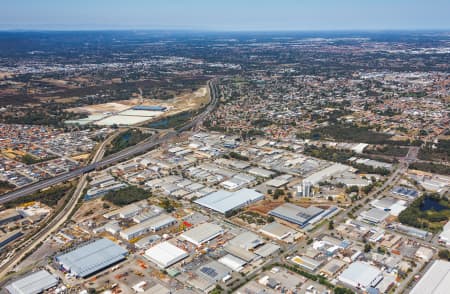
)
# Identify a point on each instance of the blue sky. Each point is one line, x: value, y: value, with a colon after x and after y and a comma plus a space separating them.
x: 226, y: 14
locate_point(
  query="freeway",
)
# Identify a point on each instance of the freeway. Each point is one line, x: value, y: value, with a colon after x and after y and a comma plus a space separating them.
x: 119, y: 156
x: 31, y: 242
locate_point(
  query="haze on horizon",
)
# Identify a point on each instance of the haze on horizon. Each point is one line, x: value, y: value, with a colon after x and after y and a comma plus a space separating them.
x: 232, y: 15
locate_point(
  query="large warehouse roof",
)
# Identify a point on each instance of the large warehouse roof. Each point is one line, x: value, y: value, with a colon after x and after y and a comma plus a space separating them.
x: 436, y: 280
x: 296, y: 214
x: 277, y: 230
x: 202, y: 233
x: 223, y: 201
x: 326, y: 173
x: 360, y: 274
x: 35, y: 283
x: 92, y: 257
x: 165, y: 254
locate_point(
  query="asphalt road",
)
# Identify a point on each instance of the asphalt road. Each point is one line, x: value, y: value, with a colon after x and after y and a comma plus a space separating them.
x: 117, y: 157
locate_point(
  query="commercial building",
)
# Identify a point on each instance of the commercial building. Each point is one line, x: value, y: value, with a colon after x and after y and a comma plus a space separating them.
x: 238, y: 181
x: 91, y: 258
x: 444, y: 237
x: 279, y: 181
x: 165, y: 254
x: 332, y: 267
x: 233, y: 262
x: 296, y: 214
x: 260, y: 172
x: 124, y: 212
x: 267, y: 250
x: 361, y: 275
x: 306, y: 262
x: 415, y: 232
x: 150, y: 108
x: 325, y: 173
x: 151, y: 225
x: 424, y: 253
x: 213, y: 271
x: 207, y: 276
x: 374, y: 215
x: 202, y: 233
x: 9, y: 237
x: 144, y: 242
x: 9, y: 215
x: 34, y: 283
x: 224, y: 202
x: 277, y: 231
x: 405, y: 192
x: 436, y: 280
x: 243, y: 245
x: 390, y: 204
x: 157, y: 289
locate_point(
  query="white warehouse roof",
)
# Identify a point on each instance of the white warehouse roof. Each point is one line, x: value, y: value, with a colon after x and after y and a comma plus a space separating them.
x: 223, y: 201
x: 202, y: 233
x: 326, y: 173
x: 436, y: 280
x: 233, y: 262
x: 361, y: 274
x: 165, y: 254
x: 35, y: 283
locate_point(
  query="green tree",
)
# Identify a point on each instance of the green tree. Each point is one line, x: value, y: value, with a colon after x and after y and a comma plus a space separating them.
x: 444, y: 254
x: 330, y: 225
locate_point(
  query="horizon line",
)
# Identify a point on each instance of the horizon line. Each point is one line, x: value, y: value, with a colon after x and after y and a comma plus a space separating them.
x: 221, y: 30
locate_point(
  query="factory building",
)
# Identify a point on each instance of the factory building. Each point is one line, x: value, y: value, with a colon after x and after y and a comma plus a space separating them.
x: 361, y: 275
x: 150, y: 108
x: 165, y: 254
x: 34, y: 283
x: 154, y: 224
x: 374, y: 215
x: 9, y: 215
x: 9, y: 237
x: 202, y: 233
x: 225, y: 202
x: 296, y: 214
x: 277, y: 231
x: 436, y: 280
x: 91, y: 258
x: 444, y: 236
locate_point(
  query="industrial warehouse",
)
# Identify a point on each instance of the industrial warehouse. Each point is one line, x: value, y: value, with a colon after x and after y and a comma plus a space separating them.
x: 224, y: 202
x: 91, y: 258
x: 202, y: 233
x: 36, y: 282
x: 301, y: 216
x: 165, y: 254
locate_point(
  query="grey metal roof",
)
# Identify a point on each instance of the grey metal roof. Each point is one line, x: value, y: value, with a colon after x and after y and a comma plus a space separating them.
x: 224, y: 201
x: 267, y: 249
x: 92, y: 257
x: 436, y: 280
x: 213, y: 271
x: 202, y: 233
x: 34, y: 283
x: 375, y: 214
x: 296, y: 214
x: 277, y: 229
x: 360, y: 273
x: 247, y: 240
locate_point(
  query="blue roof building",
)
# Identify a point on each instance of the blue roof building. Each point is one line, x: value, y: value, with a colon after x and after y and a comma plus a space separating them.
x: 150, y: 108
